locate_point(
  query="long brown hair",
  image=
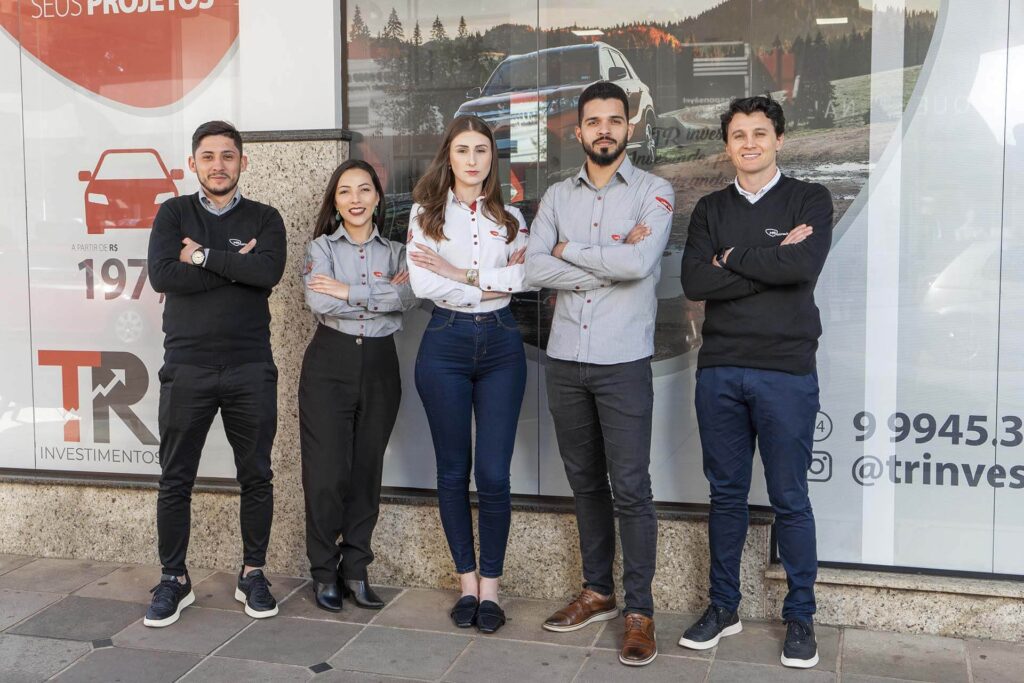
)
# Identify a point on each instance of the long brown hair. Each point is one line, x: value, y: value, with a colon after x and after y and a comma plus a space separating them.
x: 326, y: 220
x: 431, y: 191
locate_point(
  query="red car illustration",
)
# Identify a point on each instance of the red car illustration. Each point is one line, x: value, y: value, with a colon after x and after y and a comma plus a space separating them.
x: 126, y: 189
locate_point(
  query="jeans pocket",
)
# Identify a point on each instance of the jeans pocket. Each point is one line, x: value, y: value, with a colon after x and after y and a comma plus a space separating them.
x: 437, y: 324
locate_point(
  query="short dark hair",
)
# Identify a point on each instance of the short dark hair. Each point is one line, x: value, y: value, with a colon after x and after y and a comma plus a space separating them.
x: 216, y: 128
x: 748, y: 105
x: 602, y: 90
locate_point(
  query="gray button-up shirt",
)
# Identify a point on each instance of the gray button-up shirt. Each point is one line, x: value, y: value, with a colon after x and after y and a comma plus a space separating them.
x: 374, y: 307
x: 606, y: 303
x: 212, y: 208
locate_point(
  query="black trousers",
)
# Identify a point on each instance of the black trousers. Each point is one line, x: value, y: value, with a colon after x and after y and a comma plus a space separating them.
x: 190, y: 396
x: 602, y: 416
x: 349, y: 392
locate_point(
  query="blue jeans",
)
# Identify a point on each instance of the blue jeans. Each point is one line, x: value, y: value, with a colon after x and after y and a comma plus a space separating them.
x: 473, y: 363
x: 735, y: 406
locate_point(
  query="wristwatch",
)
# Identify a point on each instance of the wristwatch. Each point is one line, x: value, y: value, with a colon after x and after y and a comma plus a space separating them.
x: 472, y: 276
x: 198, y: 257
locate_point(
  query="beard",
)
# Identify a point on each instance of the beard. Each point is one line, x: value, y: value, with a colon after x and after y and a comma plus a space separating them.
x: 606, y: 158
x: 219, y: 192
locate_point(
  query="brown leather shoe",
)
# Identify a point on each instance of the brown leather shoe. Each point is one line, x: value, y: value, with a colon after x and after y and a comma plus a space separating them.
x: 639, y: 646
x: 590, y: 607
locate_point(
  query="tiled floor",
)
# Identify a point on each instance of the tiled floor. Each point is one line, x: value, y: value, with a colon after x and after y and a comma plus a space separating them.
x: 67, y: 620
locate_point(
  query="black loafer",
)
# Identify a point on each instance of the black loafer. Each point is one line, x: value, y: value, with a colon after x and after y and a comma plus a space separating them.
x: 327, y: 596
x: 362, y: 594
x: 489, y: 617
x: 464, y: 612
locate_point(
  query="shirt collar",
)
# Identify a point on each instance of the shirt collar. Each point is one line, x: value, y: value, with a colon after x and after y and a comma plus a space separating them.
x: 452, y: 199
x: 760, y: 193
x: 341, y: 232
x: 625, y: 172
x: 209, y: 205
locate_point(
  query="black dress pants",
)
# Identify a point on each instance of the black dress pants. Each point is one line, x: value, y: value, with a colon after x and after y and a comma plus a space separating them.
x: 349, y: 392
x: 190, y: 396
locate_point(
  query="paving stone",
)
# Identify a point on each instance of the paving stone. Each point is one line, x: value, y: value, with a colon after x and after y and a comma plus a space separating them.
x: 17, y: 605
x: 131, y: 583
x: 400, y: 652
x: 302, y: 604
x: 218, y: 589
x: 336, y: 676
x: 199, y: 630
x: 896, y: 655
x: 55, y: 576
x: 9, y: 562
x: 603, y: 666
x: 76, y: 618
x: 994, y: 661
x: 284, y: 640
x: 223, y: 669
x: 116, y: 665
x: 426, y: 609
x: 500, y: 661
x: 25, y: 658
x: 743, y: 672
x: 668, y: 627
x: 761, y: 643
x: 858, y: 678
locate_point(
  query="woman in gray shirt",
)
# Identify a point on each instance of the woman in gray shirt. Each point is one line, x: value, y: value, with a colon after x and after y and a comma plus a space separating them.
x: 357, y: 286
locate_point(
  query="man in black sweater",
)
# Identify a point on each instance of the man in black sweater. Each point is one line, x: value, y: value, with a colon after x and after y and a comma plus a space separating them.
x: 216, y: 255
x: 753, y: 254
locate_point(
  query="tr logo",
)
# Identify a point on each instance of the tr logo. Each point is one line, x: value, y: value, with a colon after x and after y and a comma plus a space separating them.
x: 772, y: 232
x: 119, y: 380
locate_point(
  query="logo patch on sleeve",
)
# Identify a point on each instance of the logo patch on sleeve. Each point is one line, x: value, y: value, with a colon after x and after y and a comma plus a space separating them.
x: 309, y: 267
x: 665, y: 203
x: 377, y: 273
x: 408, y: 238
x: 616, y: 237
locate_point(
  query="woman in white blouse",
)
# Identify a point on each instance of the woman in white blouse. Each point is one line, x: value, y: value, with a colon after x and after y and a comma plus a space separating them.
x: 466, y: 254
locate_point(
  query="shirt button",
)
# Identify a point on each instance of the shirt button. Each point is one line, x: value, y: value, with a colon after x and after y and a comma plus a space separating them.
x: 510, y: 289
x: 598, y: 199
x: 359, y: 341
x: 375, y: 308
x: 584, y: 327
x: 577, y: 286
x: 360, y: 316
x: 588, y: 301
x: 365, y: 256
x: 474, y: 263
x: 595, y: 225
x: 488, y: 286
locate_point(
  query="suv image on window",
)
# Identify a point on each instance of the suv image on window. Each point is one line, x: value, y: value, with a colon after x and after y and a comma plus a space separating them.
x: 540, y: 91
x: 126, y: 189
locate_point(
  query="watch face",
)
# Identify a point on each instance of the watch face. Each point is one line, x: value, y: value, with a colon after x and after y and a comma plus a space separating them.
x: 198, y: 256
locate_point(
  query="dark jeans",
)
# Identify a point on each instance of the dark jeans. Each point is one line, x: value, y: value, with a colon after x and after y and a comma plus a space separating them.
x: 602, y: 416
x: 349, y: 392
x: 473, y: 364
x: 190, y: 396
x: 735, y: 406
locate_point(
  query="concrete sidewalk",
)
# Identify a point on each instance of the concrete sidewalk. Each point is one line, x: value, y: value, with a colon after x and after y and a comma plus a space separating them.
x: 70, y: 620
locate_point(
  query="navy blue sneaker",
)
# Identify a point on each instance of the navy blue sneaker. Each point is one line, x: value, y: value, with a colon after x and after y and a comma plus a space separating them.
x: 714, y: 624
x: 253, y: 591
x: 170, y: 597
x: 801, y: 649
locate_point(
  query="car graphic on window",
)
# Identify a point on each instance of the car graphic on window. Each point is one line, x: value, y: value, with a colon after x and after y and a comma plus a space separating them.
x: 539, y: 91
x: 126, y: 189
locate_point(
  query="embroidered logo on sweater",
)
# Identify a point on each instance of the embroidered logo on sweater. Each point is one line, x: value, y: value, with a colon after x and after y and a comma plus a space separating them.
x: 772, y: 232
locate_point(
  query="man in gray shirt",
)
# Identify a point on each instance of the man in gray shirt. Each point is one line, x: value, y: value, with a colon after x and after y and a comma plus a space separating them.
x: 598, y: 238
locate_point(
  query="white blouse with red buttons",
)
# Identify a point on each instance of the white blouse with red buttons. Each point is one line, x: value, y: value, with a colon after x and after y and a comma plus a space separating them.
x: 473, y: 241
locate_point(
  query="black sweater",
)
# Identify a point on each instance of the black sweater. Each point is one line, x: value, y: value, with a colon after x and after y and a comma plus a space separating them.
x: 217, y: 314
x: 760, y: 310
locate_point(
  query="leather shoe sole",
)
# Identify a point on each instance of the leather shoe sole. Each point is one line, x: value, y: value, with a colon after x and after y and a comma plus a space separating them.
x: 607, y: 615
x: 639, y: 662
